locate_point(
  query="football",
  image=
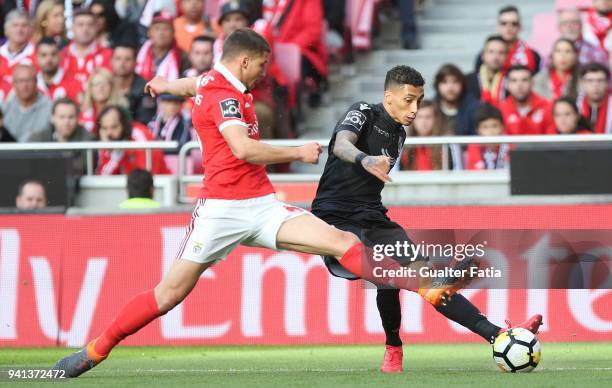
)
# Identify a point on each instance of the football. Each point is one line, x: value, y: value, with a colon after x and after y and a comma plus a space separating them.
x: 516, y: 350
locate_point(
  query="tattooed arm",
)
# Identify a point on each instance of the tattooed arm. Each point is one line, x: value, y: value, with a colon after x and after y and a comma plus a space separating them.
x: 344, y: 149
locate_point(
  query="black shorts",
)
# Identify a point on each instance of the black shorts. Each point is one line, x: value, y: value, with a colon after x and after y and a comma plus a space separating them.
x: 378, y: 231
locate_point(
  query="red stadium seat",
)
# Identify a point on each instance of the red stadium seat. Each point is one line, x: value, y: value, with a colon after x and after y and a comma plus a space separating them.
x: 544, y: 33
x: 172, y: 163
x: 580, y: 4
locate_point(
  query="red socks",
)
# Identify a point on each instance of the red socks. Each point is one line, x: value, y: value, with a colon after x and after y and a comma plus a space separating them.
x: 360, y: 262
x: 135, y: 314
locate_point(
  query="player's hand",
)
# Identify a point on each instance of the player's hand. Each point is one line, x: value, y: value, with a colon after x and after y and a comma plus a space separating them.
x: 156, y: 86
x: 378, y: 166
x: 309, y: 153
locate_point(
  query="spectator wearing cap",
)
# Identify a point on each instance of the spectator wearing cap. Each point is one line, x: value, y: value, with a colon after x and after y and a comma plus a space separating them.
x: 27, y: 111
x: 84, y: 54
x: 159, y: 55
x: 191, y: 24
x: 569, y: 23
x: 17, y: 49
x: 140, y: 191
x: 519, y: 53
x: 114, y: 124
x: 130, y: 84
x: 169, y: 123
x: 52, y: 81
x: 234, y: 15
x: 5, y: 135
x: 595, y: 103
x: 598, y: 25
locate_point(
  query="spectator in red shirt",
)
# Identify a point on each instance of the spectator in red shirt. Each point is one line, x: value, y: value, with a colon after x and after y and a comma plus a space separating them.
x: 84, y: 53
x: 524, y: 112
x: 486, y: 156
x: 159, y: 55
x: 570, y: 27
x: 113, y: 124
x: 595, y: 103
x: 561, y: 76
x: 567, y: 118
x: 17, y: 49
x: 101, y: 92
x: 50, y: 22
x: 487, y: 84
x: 52, y: 81
x: 509, y: 27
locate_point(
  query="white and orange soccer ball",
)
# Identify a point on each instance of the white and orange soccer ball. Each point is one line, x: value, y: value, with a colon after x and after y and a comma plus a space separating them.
x: 517, y: 350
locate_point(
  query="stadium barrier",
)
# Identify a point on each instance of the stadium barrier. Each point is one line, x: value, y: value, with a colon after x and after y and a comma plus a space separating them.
x: 62, y: 288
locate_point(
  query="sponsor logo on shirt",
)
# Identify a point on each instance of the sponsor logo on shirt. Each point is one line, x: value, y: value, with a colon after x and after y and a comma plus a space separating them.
x: 230, y: 108
x: 354, y: 118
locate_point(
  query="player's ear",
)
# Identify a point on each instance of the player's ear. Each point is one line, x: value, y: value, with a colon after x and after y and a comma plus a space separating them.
x: 244, y: 61
x: 388, y: 96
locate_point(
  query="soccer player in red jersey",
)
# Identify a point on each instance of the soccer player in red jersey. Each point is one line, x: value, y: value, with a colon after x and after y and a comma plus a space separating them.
x: 237, y: 204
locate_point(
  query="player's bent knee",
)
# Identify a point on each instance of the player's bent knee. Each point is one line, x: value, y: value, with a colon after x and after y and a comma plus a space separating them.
x: 348, y: 240
x: 168, y: 298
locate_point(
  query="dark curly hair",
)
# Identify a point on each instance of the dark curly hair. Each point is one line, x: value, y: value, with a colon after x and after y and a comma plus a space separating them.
x: 403, y: 75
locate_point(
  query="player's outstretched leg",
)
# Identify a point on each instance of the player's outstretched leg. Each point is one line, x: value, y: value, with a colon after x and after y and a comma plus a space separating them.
x: 136, y: 314
x: 390, y: 309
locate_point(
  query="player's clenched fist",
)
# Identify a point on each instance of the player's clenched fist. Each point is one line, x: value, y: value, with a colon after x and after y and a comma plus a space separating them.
x: 309, y: 153
x: 378, y: 166
x: 156, y: 86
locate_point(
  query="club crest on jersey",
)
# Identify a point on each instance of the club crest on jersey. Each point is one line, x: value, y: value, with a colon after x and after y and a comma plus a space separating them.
x: 230, y: 108
x: 355, y: 119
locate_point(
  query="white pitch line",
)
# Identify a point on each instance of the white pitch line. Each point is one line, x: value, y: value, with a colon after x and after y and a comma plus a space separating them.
x: 344, y: 370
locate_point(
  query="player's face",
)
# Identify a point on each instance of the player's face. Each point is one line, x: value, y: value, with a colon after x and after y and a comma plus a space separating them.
x: 48, y: 58
x: 566, y: 118
x: 64, y: 120
x: 110, y: 127
x: 254, y: 69
x: 161, y: 35
x: 56, y: 21
x: 564, y: 56
x: 232, y: 22
x: 595, y: 85
x: 509, y: 26
x: 123, y: 61
x: 570, y: 25
x: 494, y: 55
x: 490, y: 127
x: 18, y: 31
x: 32, y: 197
x: 201, y: 56
x: 520, y: 85
x: 450, y: 88
x: 84, y: 29
x: 424, y: 121
x: 404, y: 102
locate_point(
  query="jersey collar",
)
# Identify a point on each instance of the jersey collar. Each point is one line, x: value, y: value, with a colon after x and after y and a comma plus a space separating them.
x: 230, y: 77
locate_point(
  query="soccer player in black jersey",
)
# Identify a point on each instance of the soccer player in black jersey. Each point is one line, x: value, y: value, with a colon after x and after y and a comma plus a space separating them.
x: 365, y: 145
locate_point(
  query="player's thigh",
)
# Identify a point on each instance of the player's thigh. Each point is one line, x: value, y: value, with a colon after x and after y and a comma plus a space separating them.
x: 310, y: 234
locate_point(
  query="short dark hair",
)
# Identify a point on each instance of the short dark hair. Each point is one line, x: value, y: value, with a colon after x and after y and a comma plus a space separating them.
x: 82, y: 12
x: 64, y: 101
x: 139, y: 184
x: 594, y: 67
x: 403, y: 75
x: 582, y: 122
x: 124, y: 118
x: 487, y: 111
x: 450, y: 70
x: 126, y: 45
x: 27, y: 182
x: 204, y: 38
x: 518, y: 68
x: 494, y: 38
x: 507, y: 9
x: 47, y: 41
x: 244, y: 40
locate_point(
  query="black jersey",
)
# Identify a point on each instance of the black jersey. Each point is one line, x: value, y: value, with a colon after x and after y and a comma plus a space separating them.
x: 346, y: 190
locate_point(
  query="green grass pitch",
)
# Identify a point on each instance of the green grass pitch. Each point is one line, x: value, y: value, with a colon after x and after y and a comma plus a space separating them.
x: 455, y: 365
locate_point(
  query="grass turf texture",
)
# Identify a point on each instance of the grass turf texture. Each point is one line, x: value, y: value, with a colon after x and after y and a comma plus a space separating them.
x: 457, y: 365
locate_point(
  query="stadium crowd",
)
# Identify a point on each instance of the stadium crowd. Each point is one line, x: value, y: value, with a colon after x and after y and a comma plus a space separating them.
x: 84, y: 64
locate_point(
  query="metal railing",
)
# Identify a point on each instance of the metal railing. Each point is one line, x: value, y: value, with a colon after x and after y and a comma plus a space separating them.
x: 444, y: 141
x: 90, y: 146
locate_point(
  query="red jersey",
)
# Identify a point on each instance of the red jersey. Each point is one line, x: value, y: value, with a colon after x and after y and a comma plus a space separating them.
x: 8, y: 61
x: 60, y: 86
x: 5, y: 89
x: 536, y: 121
x: 222, y: 100
x: 81, y: 68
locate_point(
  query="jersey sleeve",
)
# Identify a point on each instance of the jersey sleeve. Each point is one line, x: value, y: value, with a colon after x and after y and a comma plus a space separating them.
x: 355, y: 119
x: 227, y: 109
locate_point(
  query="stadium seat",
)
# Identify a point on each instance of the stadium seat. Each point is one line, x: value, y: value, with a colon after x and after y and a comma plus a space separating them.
x: 544, y: 33
x: 172, y: 163
x: 580, y: 4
